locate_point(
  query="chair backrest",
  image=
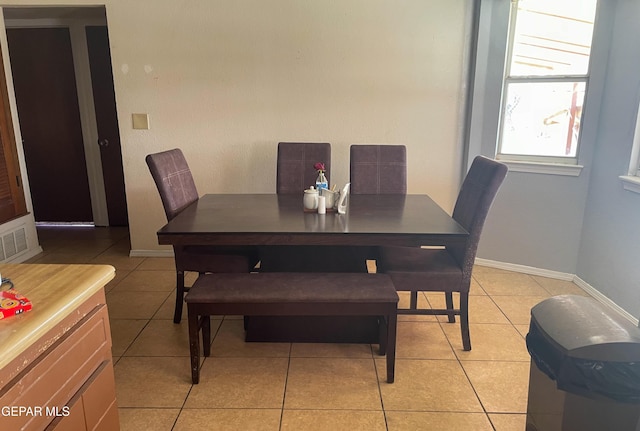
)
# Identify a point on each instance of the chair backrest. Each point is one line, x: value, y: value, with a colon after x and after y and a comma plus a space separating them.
x: 173, y: 178
x: 294, y: 171
x: 476, y: 195
x: 378, y: 169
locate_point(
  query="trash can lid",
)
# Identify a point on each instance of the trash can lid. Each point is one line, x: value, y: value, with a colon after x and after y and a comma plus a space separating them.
x: 581, y: 327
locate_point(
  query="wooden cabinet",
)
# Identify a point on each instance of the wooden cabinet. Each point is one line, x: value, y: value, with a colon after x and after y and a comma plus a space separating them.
x: 61, y: 376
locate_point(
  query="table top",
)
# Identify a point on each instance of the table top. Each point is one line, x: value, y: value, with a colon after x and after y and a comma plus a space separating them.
x: 270, y: 219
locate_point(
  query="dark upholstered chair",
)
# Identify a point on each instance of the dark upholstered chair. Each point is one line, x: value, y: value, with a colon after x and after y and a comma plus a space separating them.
x: 449, y: 269
x: 177, y: 190
x: 378, y: 169
x: 295, y: 171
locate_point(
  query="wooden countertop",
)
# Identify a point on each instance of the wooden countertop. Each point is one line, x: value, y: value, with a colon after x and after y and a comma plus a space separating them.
x: 55, y: 292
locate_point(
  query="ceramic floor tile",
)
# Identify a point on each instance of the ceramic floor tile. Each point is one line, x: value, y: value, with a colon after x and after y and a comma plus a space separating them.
x: 335, y: 420
x: 165, y: 312
x: 559, y: 287
x: 118, y: 261
x: 346, y: 383
x: 333, y: 350
x: 422, y: 303
x: 332, y: 383
x: 427, y: 385
x: 522, y: 329
x: 120, y: 275
x: 134, y: 305
x: 502, y: 386
x: 63, y: 258
x: 147, y: 281
x: 482, y: 309
x: 229, y: 342
x: 159, y: 264
x: 418, y: 421
x: 499, y: 282
x: 152, y: 382
x: 123, y: 332
x: 508, y: 422
x: 256, y: 383
x: 229, y: 420
x: 476, y: 289
x: 518, y: 309
x: 424, y: 340
x: 147, y: 419
x: 489, y: 342
x: 164, y: 338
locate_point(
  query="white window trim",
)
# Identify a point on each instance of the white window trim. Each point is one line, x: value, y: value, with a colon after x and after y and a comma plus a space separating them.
x: 631, y: 181
x: 569, y: 170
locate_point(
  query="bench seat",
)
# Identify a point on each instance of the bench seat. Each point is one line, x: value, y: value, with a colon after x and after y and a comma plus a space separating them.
x: 291, y: 294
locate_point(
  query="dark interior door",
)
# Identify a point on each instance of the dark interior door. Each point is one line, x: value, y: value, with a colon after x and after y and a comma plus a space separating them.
x: 47, y: 101
x: 107, y: 120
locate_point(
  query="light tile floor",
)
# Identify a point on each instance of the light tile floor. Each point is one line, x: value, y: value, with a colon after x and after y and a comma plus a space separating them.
x: 283, y: 386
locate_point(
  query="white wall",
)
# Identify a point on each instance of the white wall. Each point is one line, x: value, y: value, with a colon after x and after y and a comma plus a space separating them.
x: 226, y: 81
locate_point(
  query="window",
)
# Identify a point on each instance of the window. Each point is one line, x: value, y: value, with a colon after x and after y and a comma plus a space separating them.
x: 546, y: 80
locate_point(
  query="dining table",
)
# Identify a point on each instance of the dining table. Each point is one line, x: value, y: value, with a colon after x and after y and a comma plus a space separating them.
x: 268, y: 221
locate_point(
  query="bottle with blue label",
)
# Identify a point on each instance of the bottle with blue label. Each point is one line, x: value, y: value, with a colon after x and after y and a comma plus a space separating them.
x: 321, y: 182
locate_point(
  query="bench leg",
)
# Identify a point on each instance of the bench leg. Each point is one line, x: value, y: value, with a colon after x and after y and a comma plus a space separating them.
x: 194, y: 346
x: 391, y: 346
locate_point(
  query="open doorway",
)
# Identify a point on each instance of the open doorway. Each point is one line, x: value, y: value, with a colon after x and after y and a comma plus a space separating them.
x: 63, y: 82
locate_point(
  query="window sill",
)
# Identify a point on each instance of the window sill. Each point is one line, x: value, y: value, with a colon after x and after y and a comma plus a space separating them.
x: 630, y: 183
x: 544, y: 168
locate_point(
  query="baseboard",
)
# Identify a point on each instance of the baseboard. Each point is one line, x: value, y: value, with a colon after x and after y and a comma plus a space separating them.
x: 603, y: 299
x: 526, y: 269
x: 592, y: 291
x: 151, y: 253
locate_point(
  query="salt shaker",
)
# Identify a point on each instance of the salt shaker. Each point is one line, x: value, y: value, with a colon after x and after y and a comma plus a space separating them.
x: 322, y: 205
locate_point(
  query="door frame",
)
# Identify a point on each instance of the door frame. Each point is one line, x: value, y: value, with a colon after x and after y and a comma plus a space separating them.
x: 86, y: 104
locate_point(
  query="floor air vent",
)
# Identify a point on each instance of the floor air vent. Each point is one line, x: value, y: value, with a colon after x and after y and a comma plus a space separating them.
x: 13, y: 243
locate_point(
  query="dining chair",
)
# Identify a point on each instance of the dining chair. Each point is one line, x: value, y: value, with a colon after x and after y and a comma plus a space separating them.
x: 448, y: 269
x: 295, y: 171
x: 378, y: 169
x: 177, y: 189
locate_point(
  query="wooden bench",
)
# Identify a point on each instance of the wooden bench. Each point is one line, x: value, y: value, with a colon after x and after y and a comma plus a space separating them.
x: 291, y: 294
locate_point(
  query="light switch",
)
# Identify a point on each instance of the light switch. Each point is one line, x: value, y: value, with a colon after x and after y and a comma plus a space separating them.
x: 140, y: 121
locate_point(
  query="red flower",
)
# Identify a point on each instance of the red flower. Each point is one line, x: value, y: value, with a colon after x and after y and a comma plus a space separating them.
x: 319, y: 167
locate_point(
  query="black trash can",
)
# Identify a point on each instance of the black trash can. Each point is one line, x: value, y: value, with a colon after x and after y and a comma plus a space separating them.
x: 585, y: 367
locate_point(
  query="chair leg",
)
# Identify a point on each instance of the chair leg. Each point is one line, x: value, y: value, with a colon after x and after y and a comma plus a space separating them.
x: 464, y: 320
x: 448, y: 296
x: 177, y: 314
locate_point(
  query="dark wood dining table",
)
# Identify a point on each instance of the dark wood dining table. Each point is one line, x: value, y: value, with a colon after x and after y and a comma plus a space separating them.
x: 271, y: 220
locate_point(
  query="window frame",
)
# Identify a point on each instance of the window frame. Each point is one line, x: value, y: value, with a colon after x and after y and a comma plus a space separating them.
x: 507, y: 79
x: 631, y: 181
